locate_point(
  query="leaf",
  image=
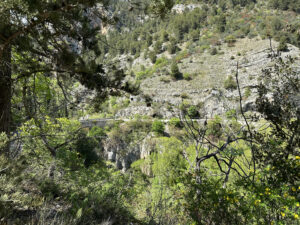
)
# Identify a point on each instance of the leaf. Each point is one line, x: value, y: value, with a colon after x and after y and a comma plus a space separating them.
x: 79, y: 213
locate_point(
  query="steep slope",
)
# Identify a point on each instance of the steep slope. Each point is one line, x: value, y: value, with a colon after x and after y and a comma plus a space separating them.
x: 207, y: 74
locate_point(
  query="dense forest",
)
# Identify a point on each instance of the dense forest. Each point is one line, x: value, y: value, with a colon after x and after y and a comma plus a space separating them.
x: 95, y: 130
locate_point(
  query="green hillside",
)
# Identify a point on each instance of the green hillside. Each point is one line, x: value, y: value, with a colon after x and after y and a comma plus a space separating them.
x: 154, y: 112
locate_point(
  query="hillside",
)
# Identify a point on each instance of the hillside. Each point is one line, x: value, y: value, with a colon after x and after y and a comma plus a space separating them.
x: 206, y: 42
x: 206, y: 75
x: 155, y: 112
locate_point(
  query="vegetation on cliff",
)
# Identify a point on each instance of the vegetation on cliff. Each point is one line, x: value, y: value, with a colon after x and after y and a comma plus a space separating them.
x: 240, y: 167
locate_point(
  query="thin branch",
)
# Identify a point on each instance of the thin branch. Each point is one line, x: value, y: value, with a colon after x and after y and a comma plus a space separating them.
x: 245, y: 119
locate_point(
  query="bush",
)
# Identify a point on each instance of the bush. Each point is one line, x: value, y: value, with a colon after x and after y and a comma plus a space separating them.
x: 213, y: 51
x: 158, y: 127
x: 172, y: 48
x: 214, y: 127
x: 283, y: 45
x: 86, y: 147
x: 184, y: 95
x: 230, y: 83
x: 152, y: 56
x: 98, y: 133
x: 187, y: 76
x: 175, y: 73
x: 192, y: 112
x: 165, y: 79
x: 230, y: 114
x: 175, y: 122
x: 157, y: 47
x: 161, y: 62
x: 247, y: 92
x: 230, y: 40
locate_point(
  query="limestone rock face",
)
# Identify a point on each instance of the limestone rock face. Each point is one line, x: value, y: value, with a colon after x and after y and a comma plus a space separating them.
x: 132, y: 110
x: 118, y: 152
x: 208, y: 74
x: 147, y: 146
x: 123, y: 154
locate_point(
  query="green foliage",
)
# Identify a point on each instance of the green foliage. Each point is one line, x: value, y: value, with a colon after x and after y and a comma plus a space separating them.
x: 3, y: 140
x: 192, y: 112
x: 158, y: 127
x: 157, y: 47
x: 282, y: 45
x: 230, y: 40
x: 86, y: 147
x: 184, y: 95
x: 159, y: 63
x: 214, y: 127
x: 230, y: 83
x: 60, y: 163
x: 282, y: 114
x: 97, y: 132
x: 165, y: 36
x: 36, y: 181
x: 172, y: 48
x: 213, y: 51
x: 187, y: 76
x: 152, y: 56
x: 175, y: 122
x: 231, y: 114
x: 286, y: 5
x: 175, y: 73
x: 247, y: 92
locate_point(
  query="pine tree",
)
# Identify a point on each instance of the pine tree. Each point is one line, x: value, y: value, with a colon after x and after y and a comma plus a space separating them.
x: 175, y: 73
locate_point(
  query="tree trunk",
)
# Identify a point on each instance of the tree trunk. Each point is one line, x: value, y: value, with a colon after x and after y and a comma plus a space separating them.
x: 5, y: 89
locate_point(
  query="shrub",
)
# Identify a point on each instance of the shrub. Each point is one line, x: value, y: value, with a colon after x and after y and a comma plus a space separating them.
x: 152, y: 56
x: 192, y: 112
x: 175, y: 122
x: 165, y: 36
x: 161, y: 62
x: 230, y: 114
x: 86, y: 147
x: 230, y: 40
x: 158, y: 127
x: 184, y: 95
x: 97, y: 132
x: 175, y: 73
x: 213, y: 51
x: 214, y: 127
x: 3, y: 140
x: 172, y: 48
x: 165, y: 79
x: 247, y: 92
x: 282, y: 45
x: 230, y: 83
x: 187, y: 76
x: 157, y: 47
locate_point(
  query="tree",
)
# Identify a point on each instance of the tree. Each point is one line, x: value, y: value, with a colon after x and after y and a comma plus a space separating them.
x: 58, y: 37
x: 175, y: 73
x: 280, y: 146
x: 157, y: 47
x: 272, y: 153
x: 229, y: 83
x: 158, y: 127
x: 152, y: 56
x: 172, y: 46
x: 283, y: 45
